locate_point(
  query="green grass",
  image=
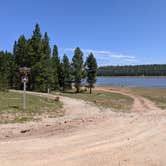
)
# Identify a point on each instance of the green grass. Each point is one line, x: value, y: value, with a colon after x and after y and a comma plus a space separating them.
x: 156, y: 95
x: 115, y: 101
x: 11, y: 108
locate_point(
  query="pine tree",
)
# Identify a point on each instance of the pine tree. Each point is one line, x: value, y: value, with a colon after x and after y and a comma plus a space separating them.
x: 37, y: 77
x: 45, y: 61
x: 3, y: 72
x: 20, y: 52
x: 67, y: 73
x: 15, y: 48
x: 11, y: 70
x: 55, y: 64
x: 77, y: 67
x: 36, y: 43
x: 91, y: 71
x: 61, y: 76
x: 7, y: 70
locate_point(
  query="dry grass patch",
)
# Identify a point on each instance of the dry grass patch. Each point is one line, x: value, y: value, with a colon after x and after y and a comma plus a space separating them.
x: 11, y: 108
x: 115, y: 101
x: 157, y: 95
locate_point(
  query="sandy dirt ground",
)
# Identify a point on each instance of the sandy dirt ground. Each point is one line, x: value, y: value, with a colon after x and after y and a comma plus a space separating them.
x: 89, y: 136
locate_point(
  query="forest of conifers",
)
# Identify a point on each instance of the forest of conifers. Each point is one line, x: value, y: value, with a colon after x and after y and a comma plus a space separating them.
x: 48, y: 70
x: 131, y: 70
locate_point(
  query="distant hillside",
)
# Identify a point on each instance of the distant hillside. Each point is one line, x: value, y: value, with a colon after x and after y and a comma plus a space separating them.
x: 137, y: 70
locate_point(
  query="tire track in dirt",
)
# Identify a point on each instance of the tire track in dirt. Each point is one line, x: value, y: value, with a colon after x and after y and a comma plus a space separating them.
x: 140, y: 103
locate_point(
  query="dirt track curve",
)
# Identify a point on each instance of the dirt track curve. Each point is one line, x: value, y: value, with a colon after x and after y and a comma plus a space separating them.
x: 88, y: 136
x: 140, y: 103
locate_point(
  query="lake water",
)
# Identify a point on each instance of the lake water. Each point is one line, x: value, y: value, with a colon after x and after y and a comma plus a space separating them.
x: 132, y: 82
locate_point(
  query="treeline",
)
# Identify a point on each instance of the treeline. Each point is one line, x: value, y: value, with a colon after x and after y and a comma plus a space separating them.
x: 47, y: 69
x: 137, y: 70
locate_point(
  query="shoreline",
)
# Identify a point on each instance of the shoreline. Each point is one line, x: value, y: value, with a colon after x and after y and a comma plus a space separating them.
x: 132, y: 76
x: 129, y: 87
x: 124, y: 87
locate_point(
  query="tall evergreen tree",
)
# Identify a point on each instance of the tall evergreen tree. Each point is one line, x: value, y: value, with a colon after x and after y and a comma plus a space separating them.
x: 36, y: 42
x: 55, y: 63
x: 15, y: 48
x: 37, y: 72
x: 46, y: 61
x: 7, y: 70
x: 91, y: 71
x: 34, y: 52
x: 3, y: 71
x: 77, y: 67
x: 67, y: 73
x: 61, y: 76
x: 20, y: 52
x: 11, y: 70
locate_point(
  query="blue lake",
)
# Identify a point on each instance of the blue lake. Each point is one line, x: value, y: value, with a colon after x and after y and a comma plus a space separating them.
x: 132, y: 82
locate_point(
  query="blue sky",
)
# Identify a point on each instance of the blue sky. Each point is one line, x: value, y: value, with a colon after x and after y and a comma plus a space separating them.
x: 116, y: 31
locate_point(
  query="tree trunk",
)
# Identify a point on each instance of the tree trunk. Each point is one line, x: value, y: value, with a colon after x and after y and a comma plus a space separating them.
x: 90, y: 90
x: 77, y: 90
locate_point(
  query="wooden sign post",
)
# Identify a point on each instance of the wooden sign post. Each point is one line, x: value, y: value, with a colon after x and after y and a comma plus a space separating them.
x: 24, y: 79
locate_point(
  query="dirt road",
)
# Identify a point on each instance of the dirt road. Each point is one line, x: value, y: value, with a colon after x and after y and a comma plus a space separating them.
x: 88, y: 136
x: 140, y: 103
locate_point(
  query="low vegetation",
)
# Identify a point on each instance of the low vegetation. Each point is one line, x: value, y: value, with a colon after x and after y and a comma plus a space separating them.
x: 156, y: 95
x: 11, y: 108
x: 115, y: 101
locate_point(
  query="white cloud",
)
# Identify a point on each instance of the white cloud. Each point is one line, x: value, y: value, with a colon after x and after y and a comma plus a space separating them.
x: 105, y: 57
x: 123, y: 56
